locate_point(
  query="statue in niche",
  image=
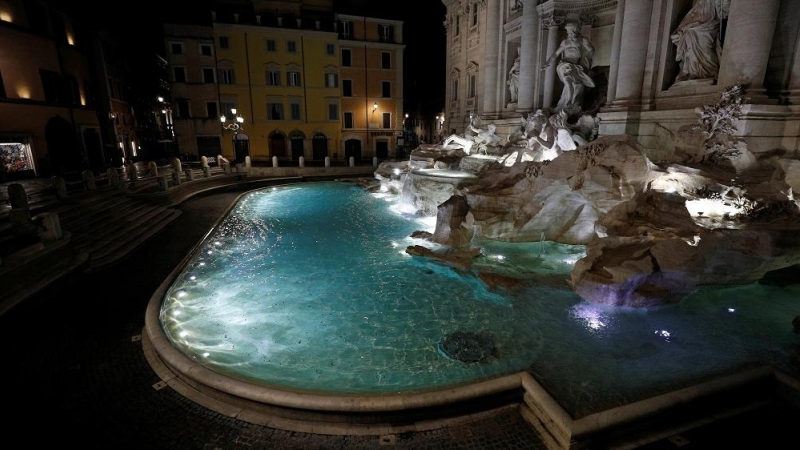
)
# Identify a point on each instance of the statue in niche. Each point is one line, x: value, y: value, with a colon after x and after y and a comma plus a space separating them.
x: 513, y: 81
x: 697, y: 39
x: 574, y: 56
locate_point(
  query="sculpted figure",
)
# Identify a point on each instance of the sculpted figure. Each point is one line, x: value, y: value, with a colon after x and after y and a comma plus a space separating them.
x: 697, y: 39
x: 523, y: 147
x: 574, y: 57
x: 556, y: 137
x: 483, y: 138
x: 513, y: 81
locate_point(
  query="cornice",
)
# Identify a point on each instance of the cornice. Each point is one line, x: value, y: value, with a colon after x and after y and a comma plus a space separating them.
x: 574, y: 7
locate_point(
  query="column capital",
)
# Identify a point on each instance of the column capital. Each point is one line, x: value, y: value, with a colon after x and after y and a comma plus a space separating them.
x: 553, y: 21
x: 586, y: 18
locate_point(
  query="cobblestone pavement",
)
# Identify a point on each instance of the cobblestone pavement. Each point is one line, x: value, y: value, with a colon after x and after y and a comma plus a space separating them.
x: 74, y: 373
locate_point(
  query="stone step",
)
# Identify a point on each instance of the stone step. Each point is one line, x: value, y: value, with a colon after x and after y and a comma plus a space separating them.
x: 116, y: 228
x: 117, y: 250
x: 113, y: 223
x: 639, y: 423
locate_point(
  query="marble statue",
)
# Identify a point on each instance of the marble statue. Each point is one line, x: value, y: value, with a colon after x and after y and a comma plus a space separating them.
x: 574, y: 56
x: 697, y: 39
x: 528, y: 127
x: 556, y: 137
x: 513, y: 81
x: 483, y: 139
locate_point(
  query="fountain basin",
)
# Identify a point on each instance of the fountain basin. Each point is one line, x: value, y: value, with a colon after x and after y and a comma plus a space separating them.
x: 548, y: 342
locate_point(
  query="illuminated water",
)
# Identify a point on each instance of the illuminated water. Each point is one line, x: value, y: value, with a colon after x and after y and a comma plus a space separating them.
x: 308, y: 287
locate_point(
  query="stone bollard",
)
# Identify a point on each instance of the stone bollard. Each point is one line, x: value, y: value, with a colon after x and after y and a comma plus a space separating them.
x: 274, y: 161
x: 176, y: 165
x: 17, y: 196
x: 113, y: 176
x: 207, y: 171
x: 88, y: 180
x: 327, y: 161
x: 132, y: 173
x: 21, y: 223
x: 176, y: 178
x: 226, y: 167
x: 152, y: 168
x: 203, y: 161
x: 60, y: 185
x: 374, y: 161
x: 247, y: 163
x: 51, y: 227
x: 352, y: 161
x: 301, y: 161
x: 163, y: 183
x: 189, y: 174
x: 220, y: 159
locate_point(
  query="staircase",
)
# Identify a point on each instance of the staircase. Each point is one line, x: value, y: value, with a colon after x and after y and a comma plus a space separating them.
x: 108, y: 225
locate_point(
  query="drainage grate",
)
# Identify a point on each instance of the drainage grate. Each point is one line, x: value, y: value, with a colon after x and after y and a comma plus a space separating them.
x: 387, y: 439
x: 678, y: 440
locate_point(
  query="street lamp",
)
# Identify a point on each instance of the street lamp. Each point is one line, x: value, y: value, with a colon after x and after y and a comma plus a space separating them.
x: 236, y: 125
x: 167, y: 127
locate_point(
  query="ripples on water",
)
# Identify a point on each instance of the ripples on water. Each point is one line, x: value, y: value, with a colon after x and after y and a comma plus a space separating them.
x: 309, y: 287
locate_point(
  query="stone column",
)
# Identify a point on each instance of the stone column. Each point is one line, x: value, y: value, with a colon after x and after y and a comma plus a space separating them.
x: 552, y: 24
x: 529, y: 56
x: 748, y: 39
x: 491, y: 63
x: 793, y: 90
x: 615, y: 50
x: 633, y: 54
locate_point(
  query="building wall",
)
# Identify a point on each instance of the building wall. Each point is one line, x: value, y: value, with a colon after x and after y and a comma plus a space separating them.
x: 634, y: 65
x: 195, y: 91
x: 251, y: 59
x: 25, y: 109
x: 367, y: 104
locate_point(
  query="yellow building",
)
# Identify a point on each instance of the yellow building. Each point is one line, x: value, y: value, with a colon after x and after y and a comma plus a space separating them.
x: 304, y: 82
x: 284, y: 83
x: 371, y: 58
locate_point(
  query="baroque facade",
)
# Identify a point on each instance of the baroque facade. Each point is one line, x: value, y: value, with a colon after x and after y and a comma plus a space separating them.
x: 645, y: 84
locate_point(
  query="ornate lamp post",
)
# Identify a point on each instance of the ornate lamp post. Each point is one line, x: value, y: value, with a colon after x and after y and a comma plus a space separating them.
x: 236, y: 125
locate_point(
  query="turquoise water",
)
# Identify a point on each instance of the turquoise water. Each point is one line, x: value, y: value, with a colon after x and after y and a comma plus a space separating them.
x: 308, y: 287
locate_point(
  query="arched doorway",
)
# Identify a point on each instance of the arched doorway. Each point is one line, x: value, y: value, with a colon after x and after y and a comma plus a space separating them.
x: 277, y: 144
x: 352, y: 147
x: 242, y: 150
x: 320, y: 143
x: 296, y: 138
x: 62, y: 146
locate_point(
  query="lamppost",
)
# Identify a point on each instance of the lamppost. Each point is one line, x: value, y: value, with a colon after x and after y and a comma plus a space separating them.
x: 236, y: 125
x: 168, y: 137
x: 439, y: 127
